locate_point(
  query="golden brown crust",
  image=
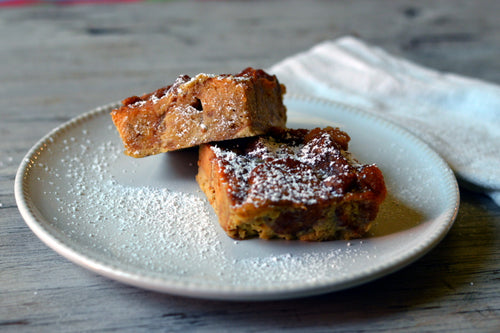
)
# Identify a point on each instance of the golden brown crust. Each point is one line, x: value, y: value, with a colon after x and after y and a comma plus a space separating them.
x: 291, y: 184
x: 201, y: 109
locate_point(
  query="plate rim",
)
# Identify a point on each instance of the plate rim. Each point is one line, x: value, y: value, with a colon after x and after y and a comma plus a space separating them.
x: 219, y: 292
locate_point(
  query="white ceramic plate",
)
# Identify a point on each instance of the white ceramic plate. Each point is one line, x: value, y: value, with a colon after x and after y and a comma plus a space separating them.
x: 145, y: 222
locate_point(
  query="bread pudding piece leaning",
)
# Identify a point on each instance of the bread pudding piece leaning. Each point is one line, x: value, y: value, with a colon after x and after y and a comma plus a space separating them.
x: 201, y: 109
x: 291, y: 184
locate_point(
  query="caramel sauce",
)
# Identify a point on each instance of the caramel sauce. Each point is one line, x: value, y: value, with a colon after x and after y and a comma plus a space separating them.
x: 295, y: 166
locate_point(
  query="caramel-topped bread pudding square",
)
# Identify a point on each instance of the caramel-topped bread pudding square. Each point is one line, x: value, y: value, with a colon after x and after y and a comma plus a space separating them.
x: 291, y: 184
x: 200, y: 109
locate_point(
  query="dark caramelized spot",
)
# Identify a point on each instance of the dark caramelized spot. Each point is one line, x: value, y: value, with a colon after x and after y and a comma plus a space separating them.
x: 256, y: 73
x: 197, y: 104
x: 131, y: 100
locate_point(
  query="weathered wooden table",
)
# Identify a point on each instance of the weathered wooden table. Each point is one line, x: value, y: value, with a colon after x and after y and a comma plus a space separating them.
x: 57, y: 62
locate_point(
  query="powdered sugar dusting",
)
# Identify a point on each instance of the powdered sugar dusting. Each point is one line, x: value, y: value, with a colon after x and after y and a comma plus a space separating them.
x: 300, y: 173
x: 138, y: 104
x: 183, y: 83
x: 74, y: 172
x: 140, y: 226
x: 157, y: 230
x: 296, y: 267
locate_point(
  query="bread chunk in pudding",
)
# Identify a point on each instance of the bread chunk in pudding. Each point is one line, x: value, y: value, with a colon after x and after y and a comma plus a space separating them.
x: 290, y: 184
x: 200, y: 109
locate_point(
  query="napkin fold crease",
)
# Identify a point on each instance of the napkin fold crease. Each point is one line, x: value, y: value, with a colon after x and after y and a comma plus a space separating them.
x: 458, y: 117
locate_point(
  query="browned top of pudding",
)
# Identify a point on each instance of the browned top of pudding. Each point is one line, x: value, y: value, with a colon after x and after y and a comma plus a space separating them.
x: 299, y: 167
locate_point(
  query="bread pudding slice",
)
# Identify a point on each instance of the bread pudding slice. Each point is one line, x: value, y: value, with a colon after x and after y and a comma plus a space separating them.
x: 200, y: 109
x: 290, y: 184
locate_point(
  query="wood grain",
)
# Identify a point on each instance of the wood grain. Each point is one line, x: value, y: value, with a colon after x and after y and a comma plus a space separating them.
x: 57, y: 62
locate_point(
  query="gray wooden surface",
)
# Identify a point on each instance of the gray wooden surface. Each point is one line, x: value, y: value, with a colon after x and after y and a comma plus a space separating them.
x: 58, y: 62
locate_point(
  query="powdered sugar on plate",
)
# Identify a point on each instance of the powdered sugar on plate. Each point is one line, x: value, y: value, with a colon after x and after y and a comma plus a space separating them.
x: 138, y: 225
x: 104, y: 205
x: 145, y: 221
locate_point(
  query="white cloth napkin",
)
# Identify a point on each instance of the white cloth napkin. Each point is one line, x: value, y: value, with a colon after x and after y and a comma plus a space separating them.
x: 458, y: 117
